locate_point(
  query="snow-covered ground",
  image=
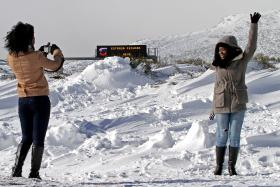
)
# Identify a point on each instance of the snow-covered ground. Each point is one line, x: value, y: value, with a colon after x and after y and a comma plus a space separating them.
x: 113, y: 126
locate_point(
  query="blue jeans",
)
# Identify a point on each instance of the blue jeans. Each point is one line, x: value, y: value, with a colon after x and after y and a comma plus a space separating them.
x: 229, y: 127
x: 34, y: 114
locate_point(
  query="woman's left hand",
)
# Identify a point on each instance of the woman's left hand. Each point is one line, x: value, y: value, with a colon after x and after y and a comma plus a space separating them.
x: 255, y: 17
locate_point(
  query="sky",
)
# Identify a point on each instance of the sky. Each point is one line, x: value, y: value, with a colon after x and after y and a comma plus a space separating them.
x: 77, y: 26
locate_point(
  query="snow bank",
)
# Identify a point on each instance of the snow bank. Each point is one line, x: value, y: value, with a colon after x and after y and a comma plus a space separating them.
x: 197, y: 138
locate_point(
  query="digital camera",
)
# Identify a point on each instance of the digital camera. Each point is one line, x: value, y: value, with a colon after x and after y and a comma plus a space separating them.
x: 47, y: 48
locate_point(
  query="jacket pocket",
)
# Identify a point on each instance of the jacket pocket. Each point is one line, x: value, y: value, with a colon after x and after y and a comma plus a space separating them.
x: 242, y: 96
x: 219, y: 94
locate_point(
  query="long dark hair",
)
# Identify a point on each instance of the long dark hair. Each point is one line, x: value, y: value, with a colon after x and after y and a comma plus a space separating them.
x: 20, y: 38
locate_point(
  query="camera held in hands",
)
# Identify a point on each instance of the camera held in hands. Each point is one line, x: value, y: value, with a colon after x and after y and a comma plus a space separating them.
x: 47, y: 48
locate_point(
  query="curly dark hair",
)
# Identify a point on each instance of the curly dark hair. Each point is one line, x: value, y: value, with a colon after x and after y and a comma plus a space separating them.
x: 20, y: 38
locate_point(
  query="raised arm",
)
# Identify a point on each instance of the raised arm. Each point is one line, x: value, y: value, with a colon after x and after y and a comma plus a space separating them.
x: 253, y: 35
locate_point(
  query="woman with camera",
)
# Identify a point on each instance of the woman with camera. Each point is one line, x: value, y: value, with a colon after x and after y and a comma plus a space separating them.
x: 230, y: 94
x: 33, y: 90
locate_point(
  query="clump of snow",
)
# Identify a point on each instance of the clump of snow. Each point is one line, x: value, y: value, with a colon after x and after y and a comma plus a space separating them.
x: 96, y: 143
x: 7, y: 138
x: 113, y: 72
x: 198, y: 137
x: 66, y: 134
x: 115, y: 138
x: 104, y: 140
x: 163, y: 139
x: 101, y: 141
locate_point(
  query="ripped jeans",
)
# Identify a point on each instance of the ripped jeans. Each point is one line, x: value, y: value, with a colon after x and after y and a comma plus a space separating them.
x: 229, y: 127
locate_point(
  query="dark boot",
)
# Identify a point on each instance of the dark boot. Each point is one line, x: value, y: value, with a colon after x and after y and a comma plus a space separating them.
x: 232, y: 158
x: 21, y: 153
x: 36, y: 159
x: 220, y: 156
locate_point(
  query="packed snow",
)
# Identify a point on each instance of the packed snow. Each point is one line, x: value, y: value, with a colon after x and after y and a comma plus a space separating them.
x: 112, y: 125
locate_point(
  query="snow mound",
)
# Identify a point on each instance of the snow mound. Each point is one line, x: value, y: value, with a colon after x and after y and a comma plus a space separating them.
x: 66, y: 135
x: 115, y: 138
x: 7, y: 138
x: 101, y: 142
x: 112, y: 75
x: 198, y: 137
x: 163, y: 139
x: 113, y: 72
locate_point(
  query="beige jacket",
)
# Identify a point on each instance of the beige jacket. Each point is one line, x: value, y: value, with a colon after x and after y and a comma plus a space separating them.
x: 230, y: 90
x: 29, y: 71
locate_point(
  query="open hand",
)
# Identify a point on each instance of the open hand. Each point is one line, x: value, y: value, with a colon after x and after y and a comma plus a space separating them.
x: 255, y: 17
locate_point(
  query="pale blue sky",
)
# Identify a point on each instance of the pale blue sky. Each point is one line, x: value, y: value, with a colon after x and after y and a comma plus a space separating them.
x: 77, y: 26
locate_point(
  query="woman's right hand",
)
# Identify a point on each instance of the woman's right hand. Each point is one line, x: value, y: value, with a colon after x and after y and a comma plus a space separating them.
x: 53, y: 47
x: 212, y: 116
